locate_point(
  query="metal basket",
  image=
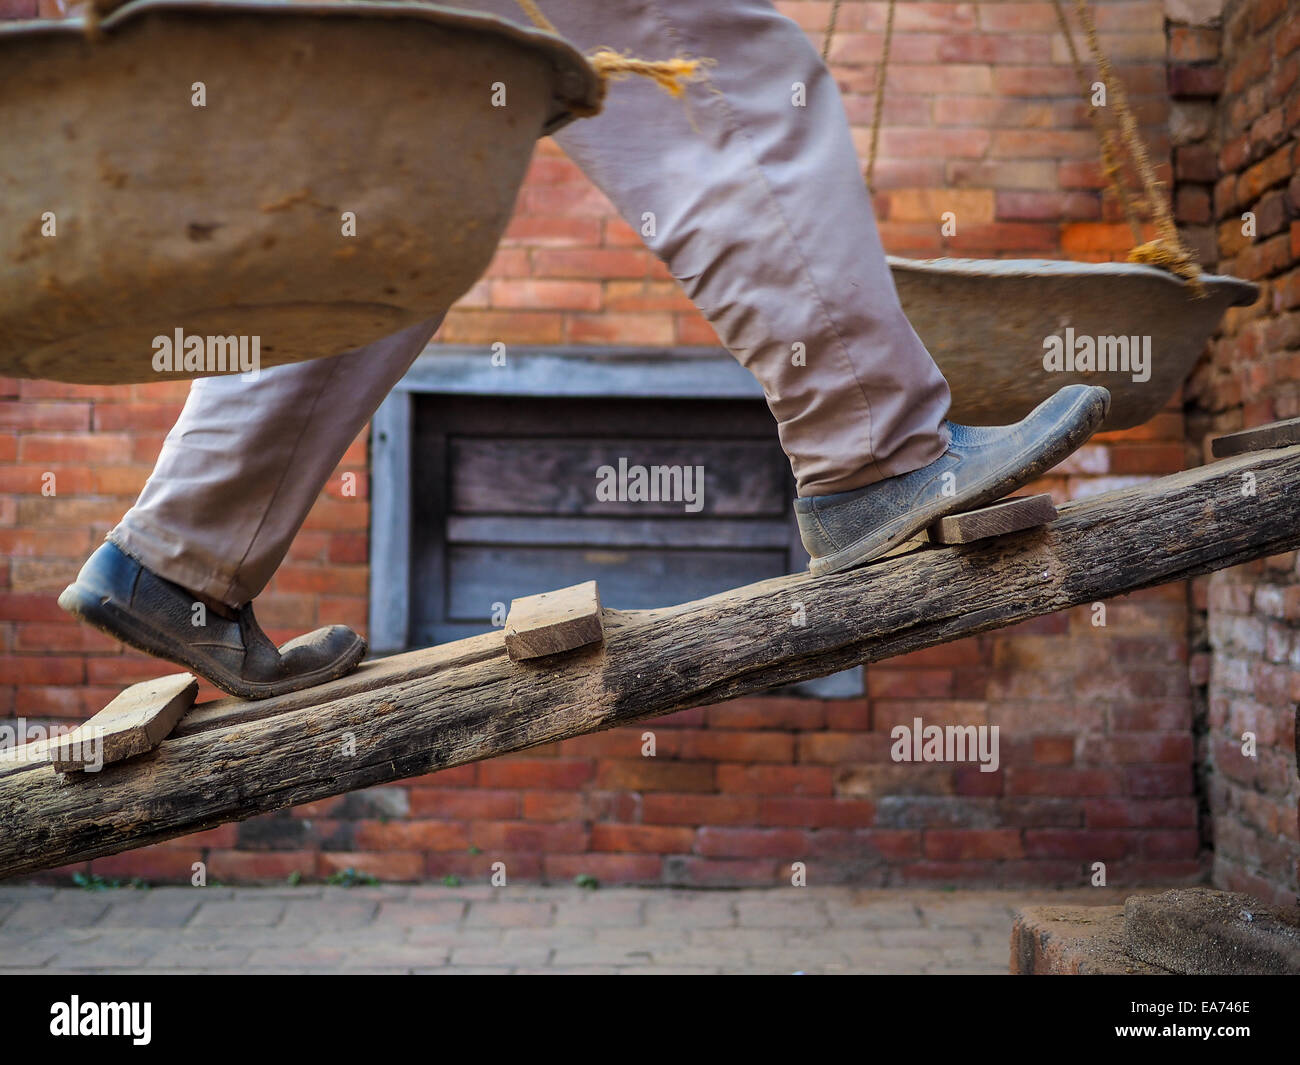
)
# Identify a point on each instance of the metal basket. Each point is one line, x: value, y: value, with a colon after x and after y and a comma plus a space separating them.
x: 315, y: 176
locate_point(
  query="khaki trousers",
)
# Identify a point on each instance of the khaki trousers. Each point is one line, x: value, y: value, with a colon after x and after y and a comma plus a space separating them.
x: 759, y: 212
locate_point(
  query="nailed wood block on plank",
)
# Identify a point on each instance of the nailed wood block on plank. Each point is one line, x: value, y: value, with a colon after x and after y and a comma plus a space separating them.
x: 137, y: 720
x: 551, y: 622
x: 1261, y: 438
x: 1010, y: 515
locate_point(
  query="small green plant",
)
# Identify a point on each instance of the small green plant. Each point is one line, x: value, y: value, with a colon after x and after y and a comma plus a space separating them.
x: 474, y: 850
x: 586, y: 881
x: 95, y: 882
x: 349, y: 877
x: 451, y: 880
x: 295, y: 878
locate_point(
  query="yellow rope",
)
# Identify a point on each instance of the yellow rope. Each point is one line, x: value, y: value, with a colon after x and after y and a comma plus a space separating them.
x: 830, y: 30
x: 1167, y: 251
x: 878, y: 105
x: 539, y: 20
x: 1111, y: 164
x: 671, y: 75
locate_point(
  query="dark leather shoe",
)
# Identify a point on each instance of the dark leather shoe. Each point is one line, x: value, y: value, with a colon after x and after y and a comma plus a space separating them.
x: 982, y: 464
x: 119, y: 596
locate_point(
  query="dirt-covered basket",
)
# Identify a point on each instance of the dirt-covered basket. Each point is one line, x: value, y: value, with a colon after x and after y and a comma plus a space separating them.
x: 314, y: 176
x: 1008, y: 333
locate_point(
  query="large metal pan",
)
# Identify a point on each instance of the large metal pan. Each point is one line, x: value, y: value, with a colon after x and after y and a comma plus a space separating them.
x: 128, y: 212
x: 990, y: 323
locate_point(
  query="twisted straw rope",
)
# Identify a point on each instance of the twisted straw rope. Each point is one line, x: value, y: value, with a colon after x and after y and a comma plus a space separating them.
x: 1168, y: 250
x: 878, y: 104
x: 671, y: 75
x: 1112, y: 166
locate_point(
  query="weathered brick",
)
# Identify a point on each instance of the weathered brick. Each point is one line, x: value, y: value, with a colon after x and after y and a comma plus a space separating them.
x: 767, y: 712
x: 702, y: 872
x: 1077, y: 843
x: 662, y: 809
x: 653, y: 839
x: 815, y: 813
x: 1195, y: 81
x: 982, y: 845
x: 157, y: 864
x: 1193, y: 44
x: 527, y: 837
x: 630, y: 329
x: 655, y: 774
x: 388, y: 865
x: 606, y: 868
x: 738, y: 746
x: 551, y: 806
x: 775, y: 780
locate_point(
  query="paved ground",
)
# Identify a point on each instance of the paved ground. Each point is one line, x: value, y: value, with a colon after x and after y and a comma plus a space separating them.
x: 434, y: 929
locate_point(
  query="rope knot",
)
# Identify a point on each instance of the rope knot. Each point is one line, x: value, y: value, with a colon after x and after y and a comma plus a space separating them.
x: 1172, y: 257
x: 671, y: 75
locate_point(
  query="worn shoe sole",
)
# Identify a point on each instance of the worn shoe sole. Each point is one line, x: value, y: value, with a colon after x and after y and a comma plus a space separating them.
x: 1077, y: 423
x: 109, y: 618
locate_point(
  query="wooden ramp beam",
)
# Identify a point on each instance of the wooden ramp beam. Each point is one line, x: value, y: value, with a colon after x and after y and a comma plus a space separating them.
x: 463, y: 702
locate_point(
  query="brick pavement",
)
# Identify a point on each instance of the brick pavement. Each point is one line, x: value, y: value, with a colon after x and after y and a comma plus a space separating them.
x: 525, y: 929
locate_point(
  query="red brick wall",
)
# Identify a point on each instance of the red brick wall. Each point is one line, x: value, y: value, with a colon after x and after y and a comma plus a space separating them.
x: 1096, y: 723
x: 1244, y: 140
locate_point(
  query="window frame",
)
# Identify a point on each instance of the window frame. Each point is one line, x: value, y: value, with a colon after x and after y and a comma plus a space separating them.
x: 529, y: 372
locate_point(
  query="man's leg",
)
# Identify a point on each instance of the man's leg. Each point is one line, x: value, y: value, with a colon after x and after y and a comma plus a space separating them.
x: 751, y: 192
x: 235, y: 479
x: 246, y: 460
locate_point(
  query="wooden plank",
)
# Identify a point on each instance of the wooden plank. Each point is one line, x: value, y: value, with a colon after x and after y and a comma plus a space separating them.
x: 741, y: 477
x: 459, y: 704
x: 1261, y: 438
x: 620, y: 418
x: 390, y: 536
x: 136, y: 721
x: 546, y: 624
x: 1010, y: 515
x: 688, y: 531
x: 478, y: 577
x: 596, y: 373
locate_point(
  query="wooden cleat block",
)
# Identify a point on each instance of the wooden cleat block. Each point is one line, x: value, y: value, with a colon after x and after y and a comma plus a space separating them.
x: 136, y: 721
x: 1261, y: 438
x: 546, y: 624
x: 1010, y: 515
